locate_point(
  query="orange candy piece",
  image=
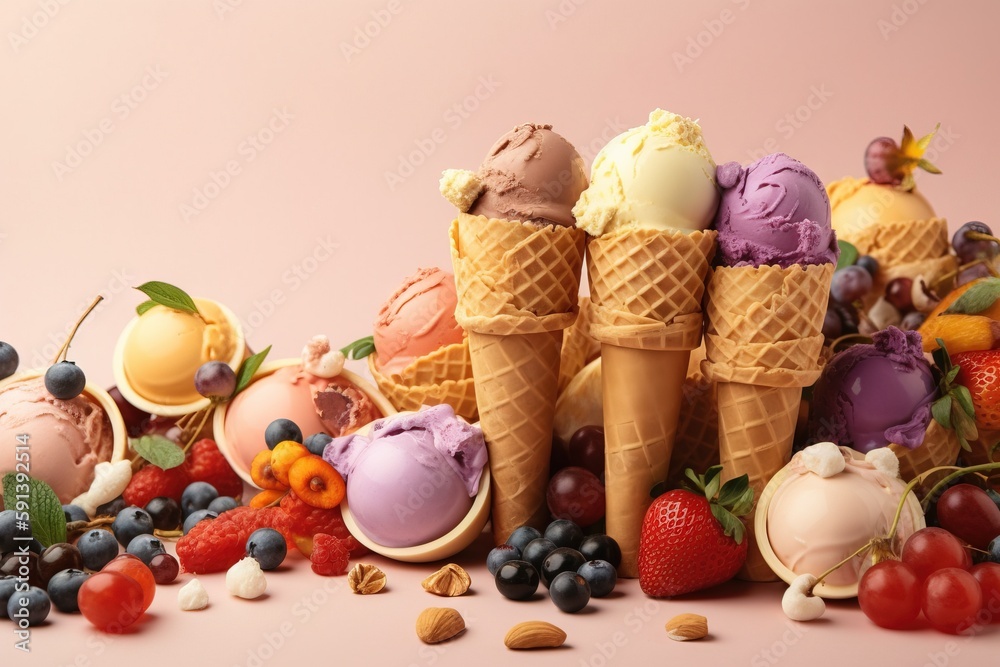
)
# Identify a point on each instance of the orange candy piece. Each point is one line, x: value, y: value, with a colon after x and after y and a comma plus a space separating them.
x: 317, y: 482
x: 262, y: 474
x: 283, y: 456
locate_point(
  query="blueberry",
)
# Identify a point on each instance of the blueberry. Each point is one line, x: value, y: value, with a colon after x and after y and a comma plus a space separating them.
x: 517, y: 580
x: 537, y: 551
x: 223, y: 504
x: 560, y: 560
x: 317, y: 442
x: 196, y: 517
x: 600, y: 575
x: 280, y: 430
x: 868, y: 263
x: 500, y: 555
x: 564, y: 533
x: 74, y: 513
x: 570, y: 592
x: 9, y: 529
x: 994, y: 550
x: 64, y: 588
x: 131, y: 522
x: 520, y: 537
x: 268, y: 547
x: 8, y: 585
x: 65, y: 380
x: 601, y: 547
x: 110, y: 508
x: 196, y: 497
x: 8, y: 360
x: 145, y: 547
x: 165, y: 512
x: 994, y: 496
x: 98, y: 548
x: 32, y: 604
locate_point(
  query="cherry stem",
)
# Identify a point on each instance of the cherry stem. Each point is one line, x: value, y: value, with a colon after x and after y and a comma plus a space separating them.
x: 65, y: 348
x: 868, y: 545
x: 952, y: 274
x: 979, y: 236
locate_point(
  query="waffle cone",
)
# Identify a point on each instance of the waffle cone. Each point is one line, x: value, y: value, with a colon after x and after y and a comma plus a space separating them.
x: 763, y: 343
x: 697, y: 443
x: 646, y: 290
x: 939, y: 448
x: 518, y: 288
x: 443, y: 376
x: 578, y: 346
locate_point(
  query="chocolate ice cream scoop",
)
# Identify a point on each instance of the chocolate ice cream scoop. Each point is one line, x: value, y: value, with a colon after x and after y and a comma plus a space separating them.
x: 871, y: 395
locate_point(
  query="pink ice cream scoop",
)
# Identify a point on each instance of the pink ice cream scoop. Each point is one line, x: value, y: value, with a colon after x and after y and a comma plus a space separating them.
x: 419, y: 318
x: 413, y: 479
x: 66, y: 439
x: 775, y: 211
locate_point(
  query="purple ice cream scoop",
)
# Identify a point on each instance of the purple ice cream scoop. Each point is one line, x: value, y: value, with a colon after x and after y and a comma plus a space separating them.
x: 774, y: 211
x: 413, y: 478
x: 871, y: 395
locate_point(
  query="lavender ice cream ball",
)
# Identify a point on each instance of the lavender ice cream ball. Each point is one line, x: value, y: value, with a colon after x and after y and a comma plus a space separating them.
x: 871, y: 395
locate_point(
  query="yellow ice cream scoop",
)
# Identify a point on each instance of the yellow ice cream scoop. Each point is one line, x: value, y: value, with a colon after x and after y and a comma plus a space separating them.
x: 160, y: 351
x: 656, y: 176
x: 858, y: 203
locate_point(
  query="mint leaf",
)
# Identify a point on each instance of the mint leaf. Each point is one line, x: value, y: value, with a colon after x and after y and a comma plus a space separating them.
x: 977, y: 298
x: 941, y: 411
x: 144, y: 306
x: 247, y: 369
x: 848, y: 254
x: 167, y: 295
x: 159, y: 451
x: 359, y: 349
x: 48, y: 522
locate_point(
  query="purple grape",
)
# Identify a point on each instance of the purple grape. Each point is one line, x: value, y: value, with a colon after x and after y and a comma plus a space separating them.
x: 848, y: 317
x: 969, y: 250
x: 912, y: 321
x: 833, y: 326
x: 850, y: 284
x: 215, y: 379
x: 868, y: 263
x: 899, y: 293
x: 974, y: 272
x: 882, y: 162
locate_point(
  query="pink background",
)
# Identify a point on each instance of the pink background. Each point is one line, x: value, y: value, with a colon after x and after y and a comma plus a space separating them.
x: 121, y: 117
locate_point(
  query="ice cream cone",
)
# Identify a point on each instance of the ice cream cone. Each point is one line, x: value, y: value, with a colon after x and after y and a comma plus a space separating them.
x: 697, y: 442
x: 443, y: 376
x: 518, y: 289
x: 646, y: 291
x: 763, y: 343
x: 940, y: 448
x: 578, y: 346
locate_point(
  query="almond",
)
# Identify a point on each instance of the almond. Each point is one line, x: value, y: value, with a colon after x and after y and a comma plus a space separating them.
x: 687, y: 627
x: 534, y: 634
x: 366, y: 579
x: 450, y: 581
x: 438, y: 624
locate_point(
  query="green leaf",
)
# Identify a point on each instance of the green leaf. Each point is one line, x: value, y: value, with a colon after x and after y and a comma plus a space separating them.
x: 359, y: 349
x: 159, y: 451
x: 744, y: 505
x: 964, y: 399
x: 731, y: 525
x: 695, y: 480
x: 247, y: 369
x: 712, y: 487
x: 941, y: 410
x: 977, y: 298
x: 941, y: 357
x: 848, y: 254
x: 144, y: 306
x: 928, y: 167
x: 952, y: 374
x: 21, y: 493
x: 169, y: 296
x: 733, y: 490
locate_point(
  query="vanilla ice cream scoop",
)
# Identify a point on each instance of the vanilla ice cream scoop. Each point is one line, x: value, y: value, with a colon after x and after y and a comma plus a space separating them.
x: 656, y: 176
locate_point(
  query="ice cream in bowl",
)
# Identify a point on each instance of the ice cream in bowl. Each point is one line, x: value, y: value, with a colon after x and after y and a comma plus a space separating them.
x: 314, y: 391
x: 418, y: 484
x: 64, y: 439
x: 160, y: 350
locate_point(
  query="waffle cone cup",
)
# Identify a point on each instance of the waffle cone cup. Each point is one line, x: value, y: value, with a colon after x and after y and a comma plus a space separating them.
x: 578, y: 346
x: 646, y: 291
x: 518, y: 289
x: 443, y: 376
x: 697, y: 443
x: 763, y: 343
x: 939, y: 448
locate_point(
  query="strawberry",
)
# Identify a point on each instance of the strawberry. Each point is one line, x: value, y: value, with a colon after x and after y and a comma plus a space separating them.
x: 152, y: 481
x: 205, y: 463
x: 692, y: 540
x: 980, y: 374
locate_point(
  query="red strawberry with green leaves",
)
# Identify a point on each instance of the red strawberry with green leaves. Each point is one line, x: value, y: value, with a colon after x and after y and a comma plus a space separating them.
x: 695, y: 539
x: 980, y: 374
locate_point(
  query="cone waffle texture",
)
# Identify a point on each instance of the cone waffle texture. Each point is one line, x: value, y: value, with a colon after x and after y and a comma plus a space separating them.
x: 697, y: 442
x: 940, y: 448
x: 578, y: 347
x: 518, y: 288
x: 763, y: 341
x: 443, y: 376
x: 646, y: 291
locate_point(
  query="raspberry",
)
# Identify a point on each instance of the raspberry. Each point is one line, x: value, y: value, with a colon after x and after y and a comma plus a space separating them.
x: 330, y: 555
x: 205, y: 463
x: 217, y: 545
x: 153, y: 481
x: 307, y: 521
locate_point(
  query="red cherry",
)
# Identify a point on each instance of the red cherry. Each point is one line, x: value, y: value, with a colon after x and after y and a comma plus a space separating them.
x: 576, y: 494
x: 968, y: 513
x: 890, y: 594
x: 932, y: 549
x: 111, y: 601
x: 951, y: 600
x: 135, y: 569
